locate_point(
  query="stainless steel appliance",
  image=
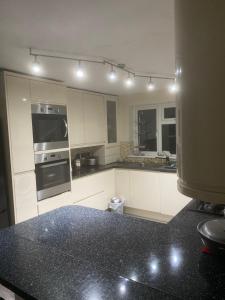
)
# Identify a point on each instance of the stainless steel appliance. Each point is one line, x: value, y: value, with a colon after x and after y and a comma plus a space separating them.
x: 49, y: 126
x: 52, y: 174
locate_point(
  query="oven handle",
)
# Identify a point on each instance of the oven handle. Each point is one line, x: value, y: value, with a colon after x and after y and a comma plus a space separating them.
x: 66, y: 127
x: 54, y: 164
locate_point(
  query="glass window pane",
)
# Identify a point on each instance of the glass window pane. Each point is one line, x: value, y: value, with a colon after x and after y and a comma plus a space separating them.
x: 111, y: 122
x: 170, y: 113
x: 147, y: 129
x: 169, y: 138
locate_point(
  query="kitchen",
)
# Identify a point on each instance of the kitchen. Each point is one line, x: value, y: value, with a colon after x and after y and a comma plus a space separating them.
x: 73, y: 146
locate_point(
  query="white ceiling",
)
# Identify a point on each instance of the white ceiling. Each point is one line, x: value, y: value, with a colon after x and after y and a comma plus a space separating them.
x: 139, y: 33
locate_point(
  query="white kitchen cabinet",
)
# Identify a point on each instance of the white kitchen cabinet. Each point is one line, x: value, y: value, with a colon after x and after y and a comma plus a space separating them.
x: 52, y: 203
x: 145, y: 190
x: 122, y: 179
x: 47, y: 92
x: 20, y: 124
x: 172, y: 201
x: 94, y: 118
x: 96, y: 186
x: 25, y: 197
x: 98, y: 201
x: 75, y: 108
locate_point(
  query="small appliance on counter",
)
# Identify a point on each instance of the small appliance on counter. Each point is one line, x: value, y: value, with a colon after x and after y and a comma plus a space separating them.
x: 92, y: 161
x: 52, y: 174
x: 49, y: 126
x: 213, y: 235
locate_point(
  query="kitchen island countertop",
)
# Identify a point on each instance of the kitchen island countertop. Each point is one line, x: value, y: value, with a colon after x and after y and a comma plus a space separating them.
x: 83, y: 253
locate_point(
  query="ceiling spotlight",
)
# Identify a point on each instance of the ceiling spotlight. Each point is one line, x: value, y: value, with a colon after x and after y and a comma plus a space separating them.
x: 112, y: 74
x: 173, y: 87
x: 129, y: 81
x: 80, y: 72
x: 150, y: 85
x: 36, y: 67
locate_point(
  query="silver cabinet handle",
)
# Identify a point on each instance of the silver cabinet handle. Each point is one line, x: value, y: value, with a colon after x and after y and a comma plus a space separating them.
x: 66, y: 127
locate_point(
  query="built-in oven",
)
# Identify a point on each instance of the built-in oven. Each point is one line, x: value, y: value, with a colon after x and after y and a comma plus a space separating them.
x: 52, y: 174
x: 49, y: 126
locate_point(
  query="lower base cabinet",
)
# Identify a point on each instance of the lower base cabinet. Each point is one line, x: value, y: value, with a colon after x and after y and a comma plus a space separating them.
x: 95, y: 190
x: 150, y: 191
x: 49, y: 204
x: 25, y: 197
x: 98, y: 201
x: 143, y: 190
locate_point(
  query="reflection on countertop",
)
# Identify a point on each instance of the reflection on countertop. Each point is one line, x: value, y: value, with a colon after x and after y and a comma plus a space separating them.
x: 84, y: 171
x: 82, y: 253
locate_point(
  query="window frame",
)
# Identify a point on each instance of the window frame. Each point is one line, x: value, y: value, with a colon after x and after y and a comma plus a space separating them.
x: 160, y: 120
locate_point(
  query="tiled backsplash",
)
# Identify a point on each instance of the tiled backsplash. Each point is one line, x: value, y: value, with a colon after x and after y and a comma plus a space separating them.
x: 126, y: 153
x: 126, y: 148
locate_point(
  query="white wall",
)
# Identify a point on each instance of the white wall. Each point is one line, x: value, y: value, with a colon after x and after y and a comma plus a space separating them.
x: 126, y: 108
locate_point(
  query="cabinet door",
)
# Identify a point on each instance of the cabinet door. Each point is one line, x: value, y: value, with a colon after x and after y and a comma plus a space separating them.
x: 25, y: 196
x: 123, y: 186
x: 145, y: 192
x: 94, y: 119
x: 20, y: 124
x: 171, y: 200
x: 75, y: 106
x: 44, y: 92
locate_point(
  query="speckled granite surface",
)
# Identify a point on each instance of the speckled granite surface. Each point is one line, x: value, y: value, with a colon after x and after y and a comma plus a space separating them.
x: 84, y: 171
x: 83, y: 253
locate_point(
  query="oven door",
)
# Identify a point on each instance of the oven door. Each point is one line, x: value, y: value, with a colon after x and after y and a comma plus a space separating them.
x: 49, y: 131
x: 52, y: 178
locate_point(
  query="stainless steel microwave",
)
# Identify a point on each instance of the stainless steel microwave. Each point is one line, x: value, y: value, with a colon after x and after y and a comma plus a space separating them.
x: 49, y: 124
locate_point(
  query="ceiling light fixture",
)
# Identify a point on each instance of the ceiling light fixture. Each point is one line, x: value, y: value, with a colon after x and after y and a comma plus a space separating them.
x: 112, y: 74
x: 150, y: 84
x: 173, y: 87
x: 36, y: 67
x: 80, y: 72
x: 129, y: 81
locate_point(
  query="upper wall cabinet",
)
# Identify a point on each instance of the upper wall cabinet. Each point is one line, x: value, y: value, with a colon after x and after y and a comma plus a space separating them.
x: 47, y: 92
x: 20, y: 125
x: 94, y: 118
x: 75, y: 106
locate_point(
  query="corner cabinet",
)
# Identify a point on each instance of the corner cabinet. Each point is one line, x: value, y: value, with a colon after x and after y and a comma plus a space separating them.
x: 19, y: 124
x: 150, y: 191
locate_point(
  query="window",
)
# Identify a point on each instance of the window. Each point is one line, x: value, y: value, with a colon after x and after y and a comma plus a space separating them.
x: 111, y: 121
x: 156, y: 129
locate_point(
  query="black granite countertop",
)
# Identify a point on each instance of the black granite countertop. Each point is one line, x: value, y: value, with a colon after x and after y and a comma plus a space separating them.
x: 84, y: 171
x: 83, y: 253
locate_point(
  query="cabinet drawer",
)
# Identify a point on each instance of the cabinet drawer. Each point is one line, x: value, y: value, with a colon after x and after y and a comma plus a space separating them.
x: 54, y: 202
x: 87, y: 186
x: 98, y: 201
